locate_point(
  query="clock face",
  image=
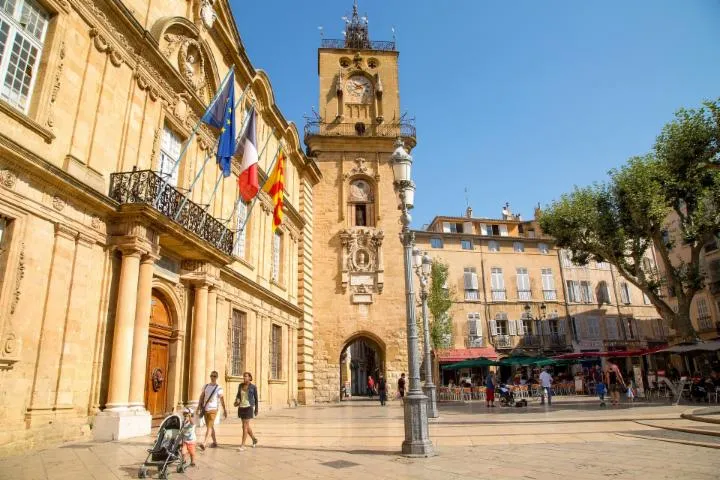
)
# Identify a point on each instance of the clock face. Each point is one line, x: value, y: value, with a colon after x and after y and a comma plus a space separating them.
x: 359, y: 89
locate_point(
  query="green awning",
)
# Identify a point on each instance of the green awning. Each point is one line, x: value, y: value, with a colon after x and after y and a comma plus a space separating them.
x: 475, y: 362
x: 521, y: 360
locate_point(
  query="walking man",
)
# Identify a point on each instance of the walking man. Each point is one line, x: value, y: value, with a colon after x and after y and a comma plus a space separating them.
x: 212, y: 394
x: 371, y: 386
x: 546, y: 383
x: 401, y: 385
x: 382, y: 389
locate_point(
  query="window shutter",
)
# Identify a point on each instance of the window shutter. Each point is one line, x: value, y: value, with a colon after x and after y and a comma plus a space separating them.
x: 446, y: 227
x: 467, y: 280
x: 520, y: 327
x: 561, y: 326
x: 468, y: 227
x: 483, y: 229
x: 493, y: 327
x: 503, y: 231
x: 473, y: 281
x: 545, y: 328
x: 478, y: 325
x: 512, y: 327
x: 576, y: 290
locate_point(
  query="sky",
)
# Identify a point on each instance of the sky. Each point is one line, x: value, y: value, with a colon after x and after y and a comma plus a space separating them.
x: 515, y: 100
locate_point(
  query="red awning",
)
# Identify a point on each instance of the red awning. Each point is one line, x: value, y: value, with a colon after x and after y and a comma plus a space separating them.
x: 613, y: 354
x: 460, y: 354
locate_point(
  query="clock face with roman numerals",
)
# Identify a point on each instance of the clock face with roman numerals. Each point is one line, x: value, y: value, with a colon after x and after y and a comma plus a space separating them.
x: 359, y: 89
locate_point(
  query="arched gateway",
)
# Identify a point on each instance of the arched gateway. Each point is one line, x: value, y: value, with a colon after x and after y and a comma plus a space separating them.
x: 362, y: 355
x: 159, y: 364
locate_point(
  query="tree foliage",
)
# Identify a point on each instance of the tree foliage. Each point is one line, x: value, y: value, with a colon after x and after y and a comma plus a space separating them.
x: 668, y: 200
x: 439, y: 302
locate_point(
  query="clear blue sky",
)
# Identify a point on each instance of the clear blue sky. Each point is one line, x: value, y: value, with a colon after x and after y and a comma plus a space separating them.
x: 516, y: 100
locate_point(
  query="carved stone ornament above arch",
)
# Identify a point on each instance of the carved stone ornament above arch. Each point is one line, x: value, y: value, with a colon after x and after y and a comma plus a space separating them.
x: 362, y: 167
x: 180, y: 42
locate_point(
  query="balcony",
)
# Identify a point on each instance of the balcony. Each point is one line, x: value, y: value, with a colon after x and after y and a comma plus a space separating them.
x: 499, y: 295
x: 550, y: 295
x: 524, y: 295
x: 360, y: 129
x: 530, y: 341
x: 383, y: 46
x: 503, y: 341
x: 556, y: 339
x: 474, y: 341
x: 143, y: 187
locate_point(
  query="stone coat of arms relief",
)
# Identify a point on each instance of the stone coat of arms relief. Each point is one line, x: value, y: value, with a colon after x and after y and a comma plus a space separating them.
x: 362, y: 263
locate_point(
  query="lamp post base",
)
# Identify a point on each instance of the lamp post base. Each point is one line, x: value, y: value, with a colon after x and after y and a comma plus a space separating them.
x: 431, y: 394
x: 417, y: 436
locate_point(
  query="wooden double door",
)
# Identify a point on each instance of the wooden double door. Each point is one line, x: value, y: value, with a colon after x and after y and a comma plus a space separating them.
x: 158, y: 360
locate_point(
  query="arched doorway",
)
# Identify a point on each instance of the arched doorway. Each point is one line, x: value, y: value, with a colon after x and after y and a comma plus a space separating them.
x: 158, y: 360
x: 363, y: 355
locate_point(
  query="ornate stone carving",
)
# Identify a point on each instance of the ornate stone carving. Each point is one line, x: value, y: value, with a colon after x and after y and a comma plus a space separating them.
x: 361, y: 168
x: 144, y: 73
x: 95, y: 222
x: 180, y: 110
x: 360, y: 191
x: 192, y: 64
x: 207, y: 13
x: 119, y: 37
x: 58, y: 203
x: 103, y: 45
x: 9, y: 344
x: 56, y: 85
x: 362, y: 265
x: 8, y: 178
x: 18, y: 279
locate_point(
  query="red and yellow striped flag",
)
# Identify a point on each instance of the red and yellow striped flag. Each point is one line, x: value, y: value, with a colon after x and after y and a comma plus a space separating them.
x: 274, y: 187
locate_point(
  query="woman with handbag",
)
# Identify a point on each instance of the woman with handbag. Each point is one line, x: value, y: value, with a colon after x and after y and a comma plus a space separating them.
x: 207, y: 408
x: 247, y: 403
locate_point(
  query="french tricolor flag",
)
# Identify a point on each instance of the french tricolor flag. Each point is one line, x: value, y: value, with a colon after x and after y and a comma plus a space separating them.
x: 248, y: 179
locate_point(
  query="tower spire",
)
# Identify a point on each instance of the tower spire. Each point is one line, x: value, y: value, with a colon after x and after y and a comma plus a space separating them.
x: 356, y: 30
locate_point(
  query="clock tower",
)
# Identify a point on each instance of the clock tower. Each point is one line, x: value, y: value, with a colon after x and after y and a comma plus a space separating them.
x: 359, y: 310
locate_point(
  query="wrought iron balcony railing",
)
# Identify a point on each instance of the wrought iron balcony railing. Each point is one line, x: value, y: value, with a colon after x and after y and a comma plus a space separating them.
x: 550, y: 295
x: 524, y: 294
x: 499, y: 295
x: 148, y: 188
x: 360, y: 129
x: 530, y: 340
x: 384, y: 46
x: 557, y: 339
x: 503, y: 341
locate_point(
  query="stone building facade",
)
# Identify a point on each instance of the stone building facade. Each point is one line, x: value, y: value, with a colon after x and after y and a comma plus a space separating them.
x: 360, y: 293
x: 121, y: 287
x: 514, y: 290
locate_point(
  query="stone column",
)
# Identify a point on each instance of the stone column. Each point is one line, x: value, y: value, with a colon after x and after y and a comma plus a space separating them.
x: 119, y: 384
x: 211, y: 324
x: 142, y: 329
x: 198, y: 343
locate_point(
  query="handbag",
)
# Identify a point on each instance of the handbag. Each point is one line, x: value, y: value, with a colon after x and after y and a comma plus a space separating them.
x: 201, y: 413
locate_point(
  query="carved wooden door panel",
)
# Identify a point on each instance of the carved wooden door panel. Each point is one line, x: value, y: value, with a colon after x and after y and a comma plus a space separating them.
x: 156, y: 377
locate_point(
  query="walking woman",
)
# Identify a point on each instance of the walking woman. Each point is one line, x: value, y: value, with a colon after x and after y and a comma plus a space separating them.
x: 615, y: 383
x: 247, y: 403
x: 490, y: 390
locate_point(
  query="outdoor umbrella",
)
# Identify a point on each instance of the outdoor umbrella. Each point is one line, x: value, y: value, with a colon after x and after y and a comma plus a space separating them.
x: 555, y: 362
x: 521, y: 360
x: 476, y: 362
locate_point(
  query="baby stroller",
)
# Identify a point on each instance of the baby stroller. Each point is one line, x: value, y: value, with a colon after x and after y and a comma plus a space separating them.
x: 166, y: 449
x: 506, y: 396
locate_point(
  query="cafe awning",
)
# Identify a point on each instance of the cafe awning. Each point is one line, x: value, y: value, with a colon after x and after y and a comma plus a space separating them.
x: 694, y: 347
x: 460, y: 354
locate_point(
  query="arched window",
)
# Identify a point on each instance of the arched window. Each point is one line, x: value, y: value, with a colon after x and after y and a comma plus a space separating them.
x: 361, y: 203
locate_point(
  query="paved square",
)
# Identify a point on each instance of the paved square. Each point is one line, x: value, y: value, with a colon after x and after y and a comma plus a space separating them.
x: 574, y: 438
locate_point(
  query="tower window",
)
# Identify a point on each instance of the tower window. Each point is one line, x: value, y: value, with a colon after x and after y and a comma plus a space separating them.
x: 361, y: 215
x: 361, y: 200
x: 360, y: 128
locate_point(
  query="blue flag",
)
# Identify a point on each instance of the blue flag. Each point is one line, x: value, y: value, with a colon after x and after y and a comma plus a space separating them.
x: 221, y: 114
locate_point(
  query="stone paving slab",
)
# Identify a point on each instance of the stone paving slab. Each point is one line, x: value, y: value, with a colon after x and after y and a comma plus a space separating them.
x: 363, y: 440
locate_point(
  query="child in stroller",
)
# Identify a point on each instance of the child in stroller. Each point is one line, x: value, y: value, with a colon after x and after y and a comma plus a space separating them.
x: 167, y: 447
x: 507, y: 398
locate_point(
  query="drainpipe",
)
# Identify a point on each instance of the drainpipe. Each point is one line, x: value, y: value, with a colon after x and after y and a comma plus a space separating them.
x: 571, y: 322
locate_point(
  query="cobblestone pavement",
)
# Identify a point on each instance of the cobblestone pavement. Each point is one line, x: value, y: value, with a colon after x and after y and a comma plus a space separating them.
x: 357, y: 439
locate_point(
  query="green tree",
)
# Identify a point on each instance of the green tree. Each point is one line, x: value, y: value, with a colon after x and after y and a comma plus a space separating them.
x: 667, y: 200
x: 439, y: 302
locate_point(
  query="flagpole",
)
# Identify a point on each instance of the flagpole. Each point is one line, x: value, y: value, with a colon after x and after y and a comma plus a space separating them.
x: 207, y: 158
x: 164, y: 183
x: 237, y: 202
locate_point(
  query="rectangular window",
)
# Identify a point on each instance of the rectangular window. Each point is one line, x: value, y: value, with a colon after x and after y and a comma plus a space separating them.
x: 170, y: 147
x: 497, y: 284
x: 523, y: 284
x: 436, y: 242
x: 611, y: 326
x: 531, y: 233
x: 543, y: 248
x: 603, y: 293
x: 23, y: 24
x: 503, y: 230
x: 495, y: 229
x: 625, y: 293
x: 565, y: 259
x: 521, y: 228
x: 586, y: 292
x: 502, y: 327
x: 241, y: 215
x: 704, y: 322
x: 474, y: 330
x: 361, y: 215
x: 276, y: 352
x: 593, y: 327
x: 548, y: 284
x: 237, y: 340
x: 646, y: 299
x: 466, y: 244
x: 493, y: 246
x: 518, y: 246
x: 470, y: 281
x: 573, y: 291
x: 276, y: 256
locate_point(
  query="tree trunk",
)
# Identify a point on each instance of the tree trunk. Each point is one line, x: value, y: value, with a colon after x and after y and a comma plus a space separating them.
x: 684, y: 330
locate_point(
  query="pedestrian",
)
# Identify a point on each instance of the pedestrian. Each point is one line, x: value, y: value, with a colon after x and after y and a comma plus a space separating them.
x: 382, y: 389
x: 490, y: 390
x: 189, y: 437
x: 401, y: 385
x: 546, y: 381
x: 601, y: 389
x: 207, y: 409
x: 371, y: 386
x: 615, y: 383
x: 247, y: 403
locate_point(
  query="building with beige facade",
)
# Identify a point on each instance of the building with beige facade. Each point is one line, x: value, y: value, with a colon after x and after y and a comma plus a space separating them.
x: 514, y: 291
x: 359, y: 296
x: 121, y: 287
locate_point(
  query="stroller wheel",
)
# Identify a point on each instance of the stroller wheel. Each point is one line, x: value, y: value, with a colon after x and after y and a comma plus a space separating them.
x: 164, y: 474
x: 181, y: 468
x: 143, y: 472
